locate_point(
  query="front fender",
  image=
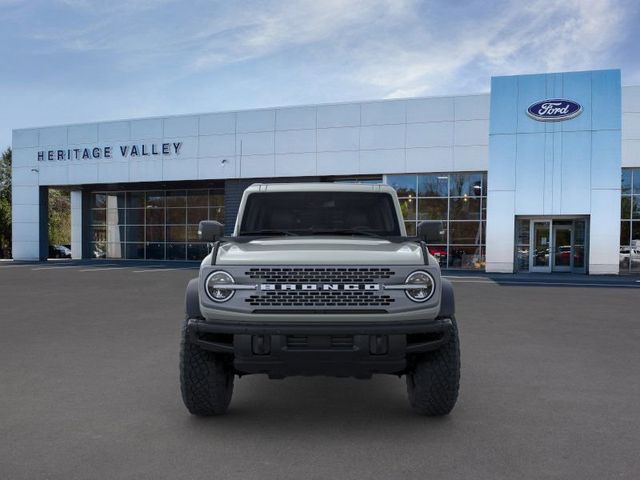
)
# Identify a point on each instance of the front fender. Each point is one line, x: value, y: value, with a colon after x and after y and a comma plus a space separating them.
x: 447, y: 301
x: 192, y: 301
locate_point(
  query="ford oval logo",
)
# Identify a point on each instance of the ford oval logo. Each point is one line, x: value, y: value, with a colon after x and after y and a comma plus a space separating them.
x: 554, y: 110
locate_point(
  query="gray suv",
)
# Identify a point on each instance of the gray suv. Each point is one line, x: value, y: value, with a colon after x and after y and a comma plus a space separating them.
x: 319, y: 279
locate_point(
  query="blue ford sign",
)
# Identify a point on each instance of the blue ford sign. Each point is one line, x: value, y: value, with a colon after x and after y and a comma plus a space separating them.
x: 554, y: 110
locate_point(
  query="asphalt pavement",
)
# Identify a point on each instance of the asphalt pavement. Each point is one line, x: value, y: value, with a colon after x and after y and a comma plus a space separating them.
x: 89, y: 388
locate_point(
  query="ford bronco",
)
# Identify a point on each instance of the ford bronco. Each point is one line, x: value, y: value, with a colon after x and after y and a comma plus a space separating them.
x: 319, y: 279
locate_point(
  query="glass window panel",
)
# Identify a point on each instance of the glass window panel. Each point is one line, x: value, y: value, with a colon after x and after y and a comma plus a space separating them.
x: 135, y: 216
x: 98, y: 200
x: 176, y: 216
x: 115, y: 250
x: 176, y: 233
x: 115, y: 216
x: 483, y: 238
x: 635, y: 207
x: 442, y: 239
x: 433, y: 185
x: 466, y: 257
x: 483, y: 211
x: 192, y: 233
x: 115, y: 200
x: 197, y: 251
x: 134, y: 200
x: 134, y: 251
x: 135, y: 233
x: 98, y: 216
x: 635, y: 234
x: 217, y: 214
x: 625, y: 233
x: 99, y: 250
x: 154, y: 251
x: 464, y: 233
x: 154, y: 216
x: 411, y: 228
x: 408, y: 208
x: 484, y: 184
x: 432, y: 208
x: 216, y: 198
x: 625, y: 207
x: 440, y: 252
x: 155, y: 234
x: 176, y: 198
x: 624, y: 259
x: 405, y: 185
x: 198, y: 198
x: 465, y: 208
x: 155, y: 199
x: 636, y: 180
x: 176, y: 251
x: 98, y: 234
x: 469, y: 184
x: 522, y: 232
x: 626, y: 180
x: 115, y: 233
x: 195, y: 215
x: 522, y: 258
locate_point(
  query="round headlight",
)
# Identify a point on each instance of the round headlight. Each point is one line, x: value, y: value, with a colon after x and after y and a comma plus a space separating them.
x: 425, y: 286
x: 215, y: 286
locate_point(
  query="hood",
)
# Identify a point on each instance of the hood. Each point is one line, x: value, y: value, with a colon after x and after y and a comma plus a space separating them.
x: 322, y: 250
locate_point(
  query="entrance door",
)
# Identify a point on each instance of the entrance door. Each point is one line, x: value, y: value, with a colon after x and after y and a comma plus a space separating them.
x: 562, y: 247
x: 540, y: 258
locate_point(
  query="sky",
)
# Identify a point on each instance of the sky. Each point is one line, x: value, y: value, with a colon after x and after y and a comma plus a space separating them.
x: 74, y: 61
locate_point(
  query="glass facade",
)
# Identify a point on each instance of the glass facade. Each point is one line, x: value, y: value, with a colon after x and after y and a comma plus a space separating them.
x: 458, y: 201
x: 152, y: 224
x: 630, y: 221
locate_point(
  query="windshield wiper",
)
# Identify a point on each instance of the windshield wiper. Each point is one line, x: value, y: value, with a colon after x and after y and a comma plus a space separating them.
x: 348, y: 231
x: 269, y: 231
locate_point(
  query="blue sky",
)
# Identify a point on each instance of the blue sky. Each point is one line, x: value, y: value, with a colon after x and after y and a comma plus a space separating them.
x: 67, y: 61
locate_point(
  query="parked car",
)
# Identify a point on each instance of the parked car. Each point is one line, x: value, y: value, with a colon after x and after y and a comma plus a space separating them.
x: 59, y: 251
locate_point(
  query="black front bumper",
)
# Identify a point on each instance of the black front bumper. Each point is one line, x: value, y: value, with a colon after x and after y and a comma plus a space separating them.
x: 339, y: 349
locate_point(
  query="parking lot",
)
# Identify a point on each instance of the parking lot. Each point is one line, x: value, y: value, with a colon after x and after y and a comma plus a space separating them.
x: 89, y: 388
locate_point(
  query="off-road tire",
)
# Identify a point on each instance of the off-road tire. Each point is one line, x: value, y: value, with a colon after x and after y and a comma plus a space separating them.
x: 206, y: 379
x: 434, y: 379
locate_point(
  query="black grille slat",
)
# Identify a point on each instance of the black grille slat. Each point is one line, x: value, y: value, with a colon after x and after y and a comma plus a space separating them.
x: 319, y: 274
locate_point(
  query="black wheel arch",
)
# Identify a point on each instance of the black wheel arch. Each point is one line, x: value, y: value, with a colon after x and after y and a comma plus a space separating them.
x: 192, y: 300
x: 447, y: 301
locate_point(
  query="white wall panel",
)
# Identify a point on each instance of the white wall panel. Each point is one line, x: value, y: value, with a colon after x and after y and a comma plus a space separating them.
x: 631, y: 126
x: 296, y: 118
x: 631, y: 99
x: 500, y: 230
x: 26, y: 250
x: 436, y: 109
x: 24, y: 195
x: 218, y: 123
x: 435, y: 134
x: 295, y: 141
x: 605, y: 232
x: 433, y: 159
x: 24, y: 176
x: 470, y: 158
x: 217, y: 167
x: 471, y: 132
x: 76, y: 224
x: 24, y: 231
x: 383, y: 113
x: 113, y: 172
x: 83, y: 173
x: 26, y: 213
x: 145, y: 170
x: 146, y: 129
x: 382, y: 137
x: 382, y: 161
x: 25, y: 157
x: 188, y: 149
x: 257, y: 166
x: 472, y: 107
x: 256, y: 121
x: 114, y: 131
x: 179, y: 168
x: 54, y: 173
x: 343, y: 115
x: 183, y: 126
x: 53, y: 136
x: 296, y: 164
x: 338, y: 139
x: 255, y: 143
x: 217, y: 145
x: 83, y: 134
x: 338, y: 163
x: 631, y: 153
x: 25, y: 138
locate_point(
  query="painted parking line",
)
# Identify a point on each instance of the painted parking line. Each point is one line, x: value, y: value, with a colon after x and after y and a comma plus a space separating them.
x: 157, y: 270
x: 55, y: 267
x: 100, y: 269
x: 21, y: 265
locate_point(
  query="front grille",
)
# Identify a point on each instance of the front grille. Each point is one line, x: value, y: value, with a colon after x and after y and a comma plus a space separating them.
x: 319, y: 274
x: 332, y: 298
x: 298, y: 342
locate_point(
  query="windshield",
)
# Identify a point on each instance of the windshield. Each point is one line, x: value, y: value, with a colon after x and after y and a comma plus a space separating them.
x: 318, y: 213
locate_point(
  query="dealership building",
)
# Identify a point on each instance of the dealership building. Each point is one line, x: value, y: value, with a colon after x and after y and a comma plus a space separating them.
x: 542, y: 174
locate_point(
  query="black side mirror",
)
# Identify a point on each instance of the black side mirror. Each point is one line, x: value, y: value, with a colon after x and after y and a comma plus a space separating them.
x: 210, y: 230
x: 431, y: 232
